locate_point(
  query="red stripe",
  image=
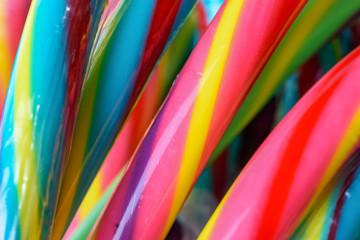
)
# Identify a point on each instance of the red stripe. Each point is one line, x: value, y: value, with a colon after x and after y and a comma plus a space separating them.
x: 16, y: 13
x: 201, y: 17
x: 77, y: 47
x: 290, y: 160
x: 163, y: 20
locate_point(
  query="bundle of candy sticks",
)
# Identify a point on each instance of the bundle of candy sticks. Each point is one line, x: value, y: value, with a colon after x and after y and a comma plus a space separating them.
x: 182, y: 119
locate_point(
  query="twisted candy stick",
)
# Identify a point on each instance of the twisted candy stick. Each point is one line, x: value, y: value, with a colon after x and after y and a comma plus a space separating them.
x: 115, y: 82
x: 194, y: 116
x: 40, y: 111
x: 296, y: 161
x: 319, y: 20
x: 143, y: 113
x: 146, y: 108
x: 138, y: 122
x: 12, y: 19
x: 320, y: 220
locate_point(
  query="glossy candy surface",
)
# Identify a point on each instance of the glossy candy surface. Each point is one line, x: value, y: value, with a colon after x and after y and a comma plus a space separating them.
x: 39, y: 114
x: 282, y: 180
x: 144, y: 111
x: 319, y: 21
x: 121, y: 66
x: 194, y: 116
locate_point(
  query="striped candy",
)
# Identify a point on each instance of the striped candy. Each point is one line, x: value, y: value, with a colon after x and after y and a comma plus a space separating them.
x: 116, y: 78
x: 199, y: 107
x: 143, y: 113
x: 40, y: 110
x: 80, y: 228
x: 319, y: 20
x: 295, y: 162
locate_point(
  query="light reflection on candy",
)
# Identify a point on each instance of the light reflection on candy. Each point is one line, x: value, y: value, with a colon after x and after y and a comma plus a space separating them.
x: 319, y: 20
x: 121, y: 66
x: 40, y: 112
x: 199, y: 107
x: 144, y: 111
x: 294, y: 164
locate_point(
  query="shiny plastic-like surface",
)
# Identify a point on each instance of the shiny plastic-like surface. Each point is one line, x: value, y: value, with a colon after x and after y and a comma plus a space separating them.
x: 319, y: 21
x: 40, y: 111
x: 296, y: 162
x: 122, y: 65
x: 140, y: 118
x: 199, y: 107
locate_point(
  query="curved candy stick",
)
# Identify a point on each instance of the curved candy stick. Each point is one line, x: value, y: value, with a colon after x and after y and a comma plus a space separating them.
x: 295, y: 162
x: 140, y: 118
x: 151, y: 99
x: 143, y: 113
x: 319, y: 20
x: 12, y: 19
x: 40, y: 110
x: 200, y: 105
x: 116, y: 79
x: 319, y: 222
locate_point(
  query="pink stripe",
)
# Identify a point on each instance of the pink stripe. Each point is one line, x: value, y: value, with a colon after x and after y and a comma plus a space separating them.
x: 244, y: 207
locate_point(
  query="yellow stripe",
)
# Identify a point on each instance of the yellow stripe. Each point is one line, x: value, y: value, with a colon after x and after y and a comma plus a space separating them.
x: 205, y: 102
x: 77, y: 159
x: 350, y: 139
x: 352, y: 136
x: 206, y: 232
x: 315, y: 225
x: 26, y: 171
x: 5, y: 55
x: 92, y: 197
x: 286, y: 52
